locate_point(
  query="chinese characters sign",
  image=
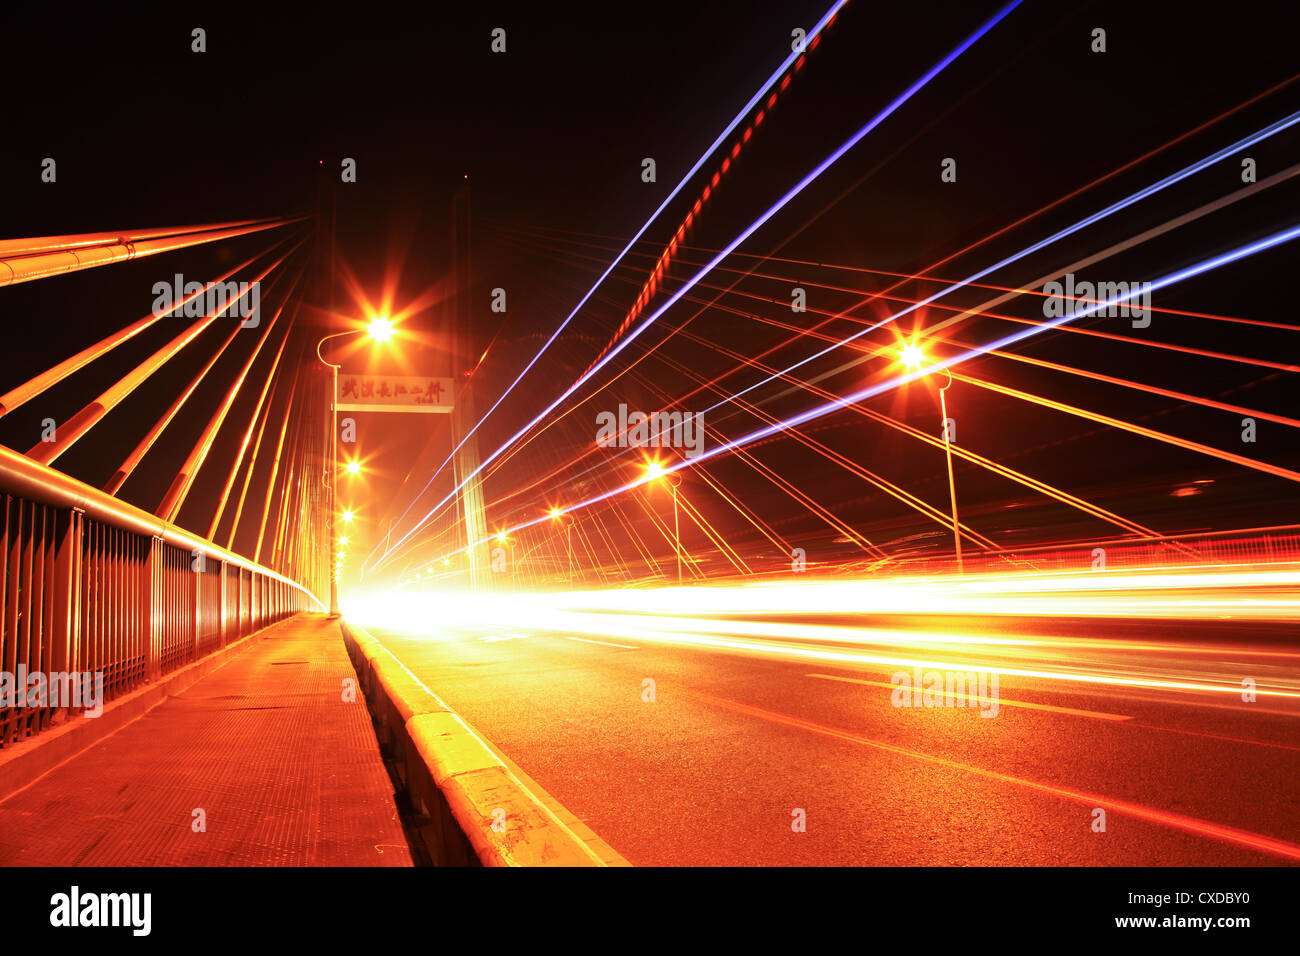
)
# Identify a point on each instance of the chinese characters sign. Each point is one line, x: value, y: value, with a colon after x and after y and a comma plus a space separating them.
x: 394, y: 393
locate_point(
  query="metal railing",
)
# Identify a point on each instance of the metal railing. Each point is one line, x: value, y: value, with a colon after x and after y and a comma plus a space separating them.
x: 100, y: 590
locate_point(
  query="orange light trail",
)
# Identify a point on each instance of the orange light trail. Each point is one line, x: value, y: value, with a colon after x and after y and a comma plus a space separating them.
x: 809, y: 621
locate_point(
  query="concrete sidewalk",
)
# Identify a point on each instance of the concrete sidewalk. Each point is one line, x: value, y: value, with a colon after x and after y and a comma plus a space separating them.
x: 283, y: 771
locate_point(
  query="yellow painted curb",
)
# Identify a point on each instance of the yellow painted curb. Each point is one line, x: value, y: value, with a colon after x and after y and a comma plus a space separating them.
x: 502, y: 821
x: 448, y: 746
x: 507, y: 826
x: 408, y: 696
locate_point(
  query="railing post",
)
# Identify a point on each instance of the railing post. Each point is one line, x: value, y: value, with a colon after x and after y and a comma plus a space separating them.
x: 196, y: 600
x: 65, y: 622
x: 150, y: 607
x: 221, y: 614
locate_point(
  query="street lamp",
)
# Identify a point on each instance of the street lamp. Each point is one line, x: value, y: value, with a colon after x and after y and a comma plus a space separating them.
x: 914, y: 357
x: 381, y: 330
x: 557, y: 515
x: 503, y: 539
x: 654, y: 471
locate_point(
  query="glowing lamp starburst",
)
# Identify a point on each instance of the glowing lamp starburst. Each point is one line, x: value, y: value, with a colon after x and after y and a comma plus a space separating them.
x: 380, y: 328
x: 912, y: 355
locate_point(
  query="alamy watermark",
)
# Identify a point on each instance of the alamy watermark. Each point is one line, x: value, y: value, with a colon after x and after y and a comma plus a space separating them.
x: 240, y: 299
x: 54, y: 689
x: 624, y: 429
x: 1111, y: 299
x: 76, y: 908
x: 946, y: 689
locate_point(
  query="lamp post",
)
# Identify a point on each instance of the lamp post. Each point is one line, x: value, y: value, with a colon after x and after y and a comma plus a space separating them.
x: 914, y: 357
x: 558, y: 515
x: 381, y: 330
x: 674, y: 480
x: 654, y: 471
x: 947, y: 450
x: 502, y: 539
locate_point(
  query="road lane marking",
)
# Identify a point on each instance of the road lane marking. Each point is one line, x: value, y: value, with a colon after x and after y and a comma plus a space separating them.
x: 1205, y: 828
x: 1235, y: 740
x: 1091, y: 713
x: 1002, y: 701
x: 587, y: 640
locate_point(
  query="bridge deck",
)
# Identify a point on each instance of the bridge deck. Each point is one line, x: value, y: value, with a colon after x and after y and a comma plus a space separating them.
x: 285, y: 772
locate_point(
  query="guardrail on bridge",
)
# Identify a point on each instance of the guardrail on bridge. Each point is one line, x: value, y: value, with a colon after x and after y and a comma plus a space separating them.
x: 92, y: 588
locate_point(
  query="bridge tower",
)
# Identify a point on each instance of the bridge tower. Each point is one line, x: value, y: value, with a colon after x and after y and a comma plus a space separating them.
x: 463, y: 359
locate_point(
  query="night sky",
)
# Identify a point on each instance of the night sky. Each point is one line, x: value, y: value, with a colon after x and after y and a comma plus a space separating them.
x: 549, y: 137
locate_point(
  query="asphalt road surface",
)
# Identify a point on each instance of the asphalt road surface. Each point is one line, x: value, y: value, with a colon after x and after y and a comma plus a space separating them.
x: 741, y: 737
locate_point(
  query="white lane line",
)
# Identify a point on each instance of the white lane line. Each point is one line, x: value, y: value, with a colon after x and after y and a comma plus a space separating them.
x: 606, y: 643
x: 1002, y: 701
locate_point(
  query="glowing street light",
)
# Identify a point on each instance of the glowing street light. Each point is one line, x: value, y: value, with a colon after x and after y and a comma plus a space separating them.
x: 343, y: 540
x: 913, y: 356
x: 381, y: 330
x: 653, y: 472
x: 556, y: 515
x: 353, y: 467
x: 347, y: 517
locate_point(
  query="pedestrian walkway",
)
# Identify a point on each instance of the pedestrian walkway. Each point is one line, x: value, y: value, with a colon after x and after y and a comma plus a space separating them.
x: 262, y: 762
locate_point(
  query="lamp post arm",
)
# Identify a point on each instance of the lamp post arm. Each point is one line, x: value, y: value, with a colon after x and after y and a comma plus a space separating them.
x: 334, y: 335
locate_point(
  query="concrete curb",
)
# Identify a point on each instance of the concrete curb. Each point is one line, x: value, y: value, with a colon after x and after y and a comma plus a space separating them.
x: 22, y: 764
x: 479, y: 812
